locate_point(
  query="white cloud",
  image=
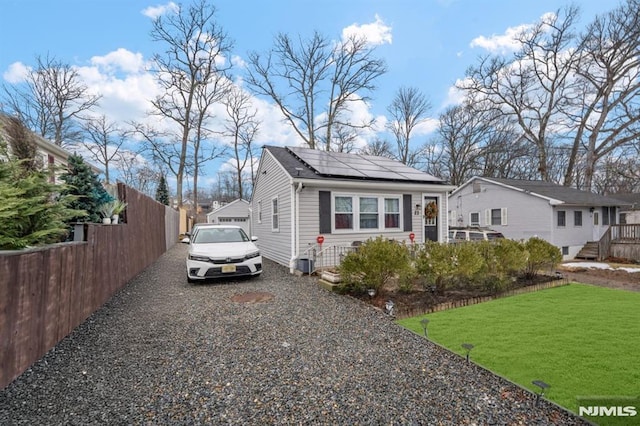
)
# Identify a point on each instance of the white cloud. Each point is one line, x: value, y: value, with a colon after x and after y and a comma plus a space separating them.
x: 455, y: 96
x: 375, y: 33
x: 154, y: 12
x: 507, y: 42
x: 16, y: 73
x: 238, y: 61
x: 121, y: 59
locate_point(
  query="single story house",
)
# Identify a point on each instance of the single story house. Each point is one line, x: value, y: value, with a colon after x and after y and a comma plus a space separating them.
x: 520, y: 209
x: 307, y: 201
x: 233, y: 213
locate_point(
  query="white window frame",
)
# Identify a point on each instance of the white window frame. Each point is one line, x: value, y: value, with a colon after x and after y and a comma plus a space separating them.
x: 275, y: 214
x: 564, y: 212
x: 355, y: 204
x: 471, y: 222
x: 575, y: 214
x: 503, y: 216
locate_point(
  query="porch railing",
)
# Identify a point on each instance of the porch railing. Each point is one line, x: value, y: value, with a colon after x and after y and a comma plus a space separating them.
x: 626, y: 233
x: 322, y: 258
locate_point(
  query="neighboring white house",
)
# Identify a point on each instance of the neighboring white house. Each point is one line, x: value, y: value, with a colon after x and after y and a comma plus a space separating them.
x: 233, y: 213
x: 302, y: 194
x: 630, y: 211
x: 49, y: 155
x: 520, y: 209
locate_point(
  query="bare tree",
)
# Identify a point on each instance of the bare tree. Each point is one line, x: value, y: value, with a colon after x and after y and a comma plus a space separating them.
x: 105, y: 139
x: 205, y: 149
x: 608, y: 71
x: 314, y: 83
x: 536, y: 87
x: 192, y: 74
x: 378, y: 147
x: 136, y: 172
x: 618, y: 174
x: 241, y: 127
x: 408, y: 109
x: 51, y: 100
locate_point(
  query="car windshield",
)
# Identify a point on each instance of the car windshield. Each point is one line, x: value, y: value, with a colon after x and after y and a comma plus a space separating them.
x: 220, y: 235
x: 494, y: 235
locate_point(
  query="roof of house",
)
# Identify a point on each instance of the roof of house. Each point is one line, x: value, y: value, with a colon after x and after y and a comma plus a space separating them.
x: 630, y: 199
x: 306, y: 163
x: 553, y: 191
x: 227, y: 206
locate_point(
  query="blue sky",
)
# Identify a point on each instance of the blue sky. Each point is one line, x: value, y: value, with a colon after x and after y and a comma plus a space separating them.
x: 427, y: 44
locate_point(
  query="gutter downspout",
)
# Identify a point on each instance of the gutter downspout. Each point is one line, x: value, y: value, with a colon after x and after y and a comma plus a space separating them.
x: 295, y: 228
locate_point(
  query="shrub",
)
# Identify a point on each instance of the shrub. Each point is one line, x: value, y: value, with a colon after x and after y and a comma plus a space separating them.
x: 83, y: 183
x: 374, y: 263
x: 31, y: 212
x: 442, y: 264
x: 540, y: 255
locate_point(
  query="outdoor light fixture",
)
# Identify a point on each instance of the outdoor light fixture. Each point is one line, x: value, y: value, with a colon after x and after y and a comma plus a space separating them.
x: 371, y: 292
x: 543, y: 386
x: 467, y: 347
x: 424, y: 323
x: 388, y: 307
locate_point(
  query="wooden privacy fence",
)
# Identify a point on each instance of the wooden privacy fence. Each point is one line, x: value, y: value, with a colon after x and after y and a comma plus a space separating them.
x: 46, y: 292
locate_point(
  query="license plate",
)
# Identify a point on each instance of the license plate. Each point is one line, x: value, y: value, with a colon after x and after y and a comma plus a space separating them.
x: 228, y: 268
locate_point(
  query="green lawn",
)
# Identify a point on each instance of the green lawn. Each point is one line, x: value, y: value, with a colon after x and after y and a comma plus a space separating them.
x: 582, y: 340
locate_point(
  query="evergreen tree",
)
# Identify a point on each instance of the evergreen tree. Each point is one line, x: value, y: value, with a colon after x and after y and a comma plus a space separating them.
x: 162, y: 193
x: 30, y: 212
x: 83, y: 183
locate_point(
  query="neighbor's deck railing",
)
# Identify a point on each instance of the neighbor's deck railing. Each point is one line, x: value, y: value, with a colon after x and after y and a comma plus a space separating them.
x: 626, y: 233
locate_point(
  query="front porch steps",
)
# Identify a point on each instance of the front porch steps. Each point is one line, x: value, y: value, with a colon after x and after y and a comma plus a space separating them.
x: 589, y: 251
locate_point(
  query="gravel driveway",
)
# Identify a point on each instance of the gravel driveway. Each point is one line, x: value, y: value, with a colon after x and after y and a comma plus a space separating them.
x: 164, y: 352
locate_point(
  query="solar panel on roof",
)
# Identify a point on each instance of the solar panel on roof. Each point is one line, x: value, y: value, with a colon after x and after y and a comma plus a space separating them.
x: 359, y: 166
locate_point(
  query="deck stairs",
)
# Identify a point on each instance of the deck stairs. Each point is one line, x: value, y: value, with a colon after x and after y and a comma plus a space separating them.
x: 589, y: 251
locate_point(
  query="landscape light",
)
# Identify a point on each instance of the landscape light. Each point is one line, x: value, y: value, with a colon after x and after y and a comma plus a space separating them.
x: 388, y: 307
x: 424, y: 323
x: 371, y: 292
x: 467, y: 347
x: 543, y: 386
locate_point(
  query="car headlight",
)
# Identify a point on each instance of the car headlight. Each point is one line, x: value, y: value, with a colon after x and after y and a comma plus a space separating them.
x: 252, y: 255
x: 199, y: 258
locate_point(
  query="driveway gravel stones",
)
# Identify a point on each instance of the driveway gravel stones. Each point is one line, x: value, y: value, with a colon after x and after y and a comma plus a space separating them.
x: 162, y: 351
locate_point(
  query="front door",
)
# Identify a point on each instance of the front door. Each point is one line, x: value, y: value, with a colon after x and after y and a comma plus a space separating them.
x: 430, y: 214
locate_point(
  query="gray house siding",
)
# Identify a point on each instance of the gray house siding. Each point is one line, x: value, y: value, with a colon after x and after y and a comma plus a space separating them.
x: 309, y: 217
x: 274, y: 182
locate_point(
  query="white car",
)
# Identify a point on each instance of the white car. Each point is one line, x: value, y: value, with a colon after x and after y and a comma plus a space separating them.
x: 219, y: 251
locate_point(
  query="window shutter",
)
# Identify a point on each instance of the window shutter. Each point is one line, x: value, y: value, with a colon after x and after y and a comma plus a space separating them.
x: 407, y: 217
x: 324, y: 200
x: 487, y: 217
x: 503, y: 218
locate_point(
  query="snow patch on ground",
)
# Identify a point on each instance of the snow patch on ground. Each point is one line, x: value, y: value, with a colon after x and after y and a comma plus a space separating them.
x: 599, y: 265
